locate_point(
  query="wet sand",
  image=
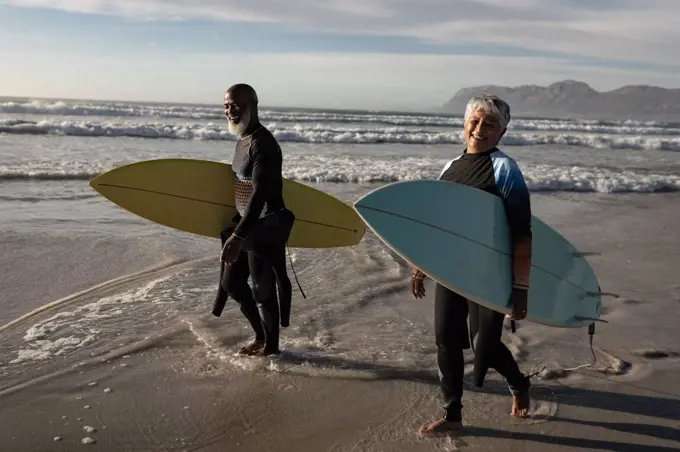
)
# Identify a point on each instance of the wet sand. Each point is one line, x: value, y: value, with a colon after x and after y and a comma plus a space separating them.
x: 169, y: 392
x: 154, y: 407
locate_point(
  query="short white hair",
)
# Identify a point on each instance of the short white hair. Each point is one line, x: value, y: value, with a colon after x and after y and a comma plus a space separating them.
x: 491, y: 104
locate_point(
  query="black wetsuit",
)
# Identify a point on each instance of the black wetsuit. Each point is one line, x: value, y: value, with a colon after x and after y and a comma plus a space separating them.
x: 496, y: 173
x: 264, y: 224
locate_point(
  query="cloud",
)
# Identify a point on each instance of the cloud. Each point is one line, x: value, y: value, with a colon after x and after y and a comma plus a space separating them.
x: 648, y: 38
x: 610, y: 29
x: 151, y: 9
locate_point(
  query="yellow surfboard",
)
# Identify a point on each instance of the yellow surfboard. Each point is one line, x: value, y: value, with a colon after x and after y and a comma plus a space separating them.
x: 197, y: 196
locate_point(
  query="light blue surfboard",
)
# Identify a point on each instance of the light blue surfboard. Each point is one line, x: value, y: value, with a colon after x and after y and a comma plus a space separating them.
x: 459, y: 237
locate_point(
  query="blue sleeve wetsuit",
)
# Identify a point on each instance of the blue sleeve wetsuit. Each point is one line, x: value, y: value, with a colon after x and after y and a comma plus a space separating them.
x: 498, y: 174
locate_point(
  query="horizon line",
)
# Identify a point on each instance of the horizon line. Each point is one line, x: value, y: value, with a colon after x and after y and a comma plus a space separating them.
x: 433, y: 109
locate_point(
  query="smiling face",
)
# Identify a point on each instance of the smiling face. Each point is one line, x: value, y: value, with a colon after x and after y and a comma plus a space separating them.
x: 483, y: 131
x: 237, y: 112
x: 240, y: 108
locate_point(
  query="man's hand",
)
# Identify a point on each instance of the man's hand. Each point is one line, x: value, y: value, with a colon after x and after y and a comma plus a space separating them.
x: 518, y: 299
x: 417, y: 285
x: 230, y: 251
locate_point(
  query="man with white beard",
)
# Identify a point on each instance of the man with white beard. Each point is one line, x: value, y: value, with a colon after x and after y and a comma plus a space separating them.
x: 256, y: 246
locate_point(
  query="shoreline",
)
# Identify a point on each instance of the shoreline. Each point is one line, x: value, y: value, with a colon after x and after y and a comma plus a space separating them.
x: 313, y: 399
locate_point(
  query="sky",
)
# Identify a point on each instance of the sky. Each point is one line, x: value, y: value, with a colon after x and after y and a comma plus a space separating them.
x: 363, y: 54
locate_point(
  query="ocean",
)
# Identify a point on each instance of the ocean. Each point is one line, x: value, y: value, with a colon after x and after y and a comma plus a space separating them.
x: 88, y: 287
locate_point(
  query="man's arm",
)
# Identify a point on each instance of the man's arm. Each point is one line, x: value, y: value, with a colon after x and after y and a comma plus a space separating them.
x: 263, y: 153
x: 517, y: 200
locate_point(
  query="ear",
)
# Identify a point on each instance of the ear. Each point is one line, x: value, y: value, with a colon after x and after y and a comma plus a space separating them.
x: 502, y: 133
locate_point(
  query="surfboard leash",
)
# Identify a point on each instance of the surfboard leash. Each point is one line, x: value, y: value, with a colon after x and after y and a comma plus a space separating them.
x: 294, y: 273
x: 536, y: 371
x: 591, y: 333
x: 540, y: 367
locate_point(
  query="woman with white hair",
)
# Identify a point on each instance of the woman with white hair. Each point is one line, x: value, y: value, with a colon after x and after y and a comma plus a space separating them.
x: 483, y: 166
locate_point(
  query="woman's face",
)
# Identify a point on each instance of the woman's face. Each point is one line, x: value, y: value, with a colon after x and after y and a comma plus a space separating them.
x: 482, y: 132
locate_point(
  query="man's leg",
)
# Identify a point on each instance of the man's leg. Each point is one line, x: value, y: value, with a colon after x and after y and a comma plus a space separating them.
x: 264, y: 293
x: 239, y: 290
x: 275, y: 254
x: 451, y: 334
x: 234, y: 283
x: 495, y: 355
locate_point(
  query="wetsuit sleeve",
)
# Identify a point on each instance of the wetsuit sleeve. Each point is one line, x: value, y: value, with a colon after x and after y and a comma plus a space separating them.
x: 264, y: 154
x: 515, y: 194
x: 447, y: 166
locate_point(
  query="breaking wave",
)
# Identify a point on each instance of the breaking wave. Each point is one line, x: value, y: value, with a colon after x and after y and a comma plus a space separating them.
x: 323, y: 133
x: 540, y: 178
x: 213, y: 113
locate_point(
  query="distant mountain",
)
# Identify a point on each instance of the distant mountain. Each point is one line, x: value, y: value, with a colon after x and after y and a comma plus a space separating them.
x: 575, y: 99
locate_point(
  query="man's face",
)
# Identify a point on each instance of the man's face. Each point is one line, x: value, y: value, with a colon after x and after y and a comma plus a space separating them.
x: 237, y: 112
x: 482, y: 132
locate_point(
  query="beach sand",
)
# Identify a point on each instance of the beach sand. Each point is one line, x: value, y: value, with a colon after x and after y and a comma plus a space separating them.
x: 56, y: 267
x: 174, y: 389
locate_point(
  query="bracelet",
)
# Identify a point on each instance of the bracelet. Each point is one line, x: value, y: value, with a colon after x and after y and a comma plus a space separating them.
x: 520, y: 286
x: 237, y: 237
x: 418, y: 274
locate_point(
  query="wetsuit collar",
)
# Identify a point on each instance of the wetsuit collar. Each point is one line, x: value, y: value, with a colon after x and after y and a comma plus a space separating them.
x: 489, y: 152
x: 252, y: 128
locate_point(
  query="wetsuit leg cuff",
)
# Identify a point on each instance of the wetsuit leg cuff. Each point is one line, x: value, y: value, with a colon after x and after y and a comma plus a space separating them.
x: 521, y: 388
x: 453, y: 416
x: 453, y: 412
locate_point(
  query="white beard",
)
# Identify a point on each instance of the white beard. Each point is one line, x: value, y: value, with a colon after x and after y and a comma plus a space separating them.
x: 240, y: 128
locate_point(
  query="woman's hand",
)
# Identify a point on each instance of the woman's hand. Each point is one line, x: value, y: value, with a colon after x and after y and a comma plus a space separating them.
x: 519, y: 302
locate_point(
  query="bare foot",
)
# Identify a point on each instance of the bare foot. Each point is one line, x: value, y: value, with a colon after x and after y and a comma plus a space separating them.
x: 264, y: 352
x: 438, y: 427
x: 252, y: 348
x: 520, y: 405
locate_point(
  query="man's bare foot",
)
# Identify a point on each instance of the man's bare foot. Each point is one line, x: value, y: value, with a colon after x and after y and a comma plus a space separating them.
x: 438, y: 427
x: 252, y: 348
x: 520, y: 405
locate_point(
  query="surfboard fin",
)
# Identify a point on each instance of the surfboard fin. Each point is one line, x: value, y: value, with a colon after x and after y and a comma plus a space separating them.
x: 581, y: 318
x: 585, y: 253
x: 603, y: 294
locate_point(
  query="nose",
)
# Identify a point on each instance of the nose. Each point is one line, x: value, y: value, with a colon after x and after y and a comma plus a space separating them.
x: 481, y: 126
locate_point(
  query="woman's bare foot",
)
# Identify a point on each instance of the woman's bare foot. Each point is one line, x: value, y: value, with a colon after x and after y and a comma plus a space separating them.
x: 438, y: 427
x: 520, y: 405
x: 252, y: 348
x: 264, y: 352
